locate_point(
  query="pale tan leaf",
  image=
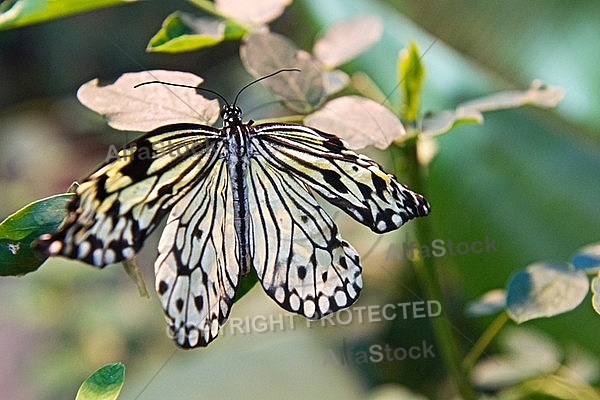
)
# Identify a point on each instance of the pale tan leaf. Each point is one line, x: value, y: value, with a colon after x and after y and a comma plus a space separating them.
x: 359, y: 121
x: 347, y: 39
x: 150, y: 106
x: 538, y: 94
x: 255, y: 12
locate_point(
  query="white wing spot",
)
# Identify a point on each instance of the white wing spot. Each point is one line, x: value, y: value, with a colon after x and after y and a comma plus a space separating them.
x: 84, y: 249
x: 128, y: 252
x: 193, y: 337
x: 97, y: 257
x: 295, y: 302
x: 309, y: 308
x: 109, y: 256
x: 55, y: 247
x: 214, y: 327
x: 279, y: 294
x: 14, y: 247
x: 350, y: 288
x: 323, y: 304
x: 358, y: 282
x: 341, y: 299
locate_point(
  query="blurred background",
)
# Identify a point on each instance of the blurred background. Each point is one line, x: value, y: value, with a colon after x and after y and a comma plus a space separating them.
x: 527, y: 178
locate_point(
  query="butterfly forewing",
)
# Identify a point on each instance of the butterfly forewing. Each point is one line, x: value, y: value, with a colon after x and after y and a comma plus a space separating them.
x: 298, y: 254
x: 122, y: 202
x: 353, y: 182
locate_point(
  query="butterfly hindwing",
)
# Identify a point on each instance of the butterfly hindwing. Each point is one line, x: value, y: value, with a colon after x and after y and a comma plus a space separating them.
x: 353, y: 182
x: 298, y: 254
x: 196, y: 270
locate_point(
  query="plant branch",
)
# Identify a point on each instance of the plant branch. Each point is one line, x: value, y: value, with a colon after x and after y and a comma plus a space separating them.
x: 425, y: 269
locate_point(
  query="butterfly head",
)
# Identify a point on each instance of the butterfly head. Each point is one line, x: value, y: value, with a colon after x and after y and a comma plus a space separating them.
x: 231, y: 114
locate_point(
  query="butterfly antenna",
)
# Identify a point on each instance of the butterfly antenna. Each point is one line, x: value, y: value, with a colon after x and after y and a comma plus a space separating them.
x: 198, y: 89
x: 263, y: 78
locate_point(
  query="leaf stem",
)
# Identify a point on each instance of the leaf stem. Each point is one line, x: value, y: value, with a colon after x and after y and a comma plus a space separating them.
x: 425, y: 269
x: 486, y: 338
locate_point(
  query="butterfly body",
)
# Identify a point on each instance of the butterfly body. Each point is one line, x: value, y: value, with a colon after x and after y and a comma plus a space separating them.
x: 237, y: 198
x: 237, y: 156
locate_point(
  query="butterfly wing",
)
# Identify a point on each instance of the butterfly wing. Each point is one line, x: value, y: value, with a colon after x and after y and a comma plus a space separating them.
x: 197, y: 272
x: 122, y: 202
x: 353, y: 182
x: 297, y: 252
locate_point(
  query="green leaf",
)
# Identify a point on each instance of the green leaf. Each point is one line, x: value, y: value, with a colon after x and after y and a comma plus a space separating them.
x: 16, y: 13
x: 411, y: 75
x: 543, y: 290
x: 20, y: 229
x: 182, y: 32
x: 265, y: 53
x: 104, y: 384
x: 587, y: 258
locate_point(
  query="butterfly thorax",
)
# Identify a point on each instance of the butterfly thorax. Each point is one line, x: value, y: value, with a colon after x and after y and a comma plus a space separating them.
x: 231, y: 115
x: 238, y: 159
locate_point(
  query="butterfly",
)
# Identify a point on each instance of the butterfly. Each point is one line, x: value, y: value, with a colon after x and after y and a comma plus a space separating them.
x: 237, y: 198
